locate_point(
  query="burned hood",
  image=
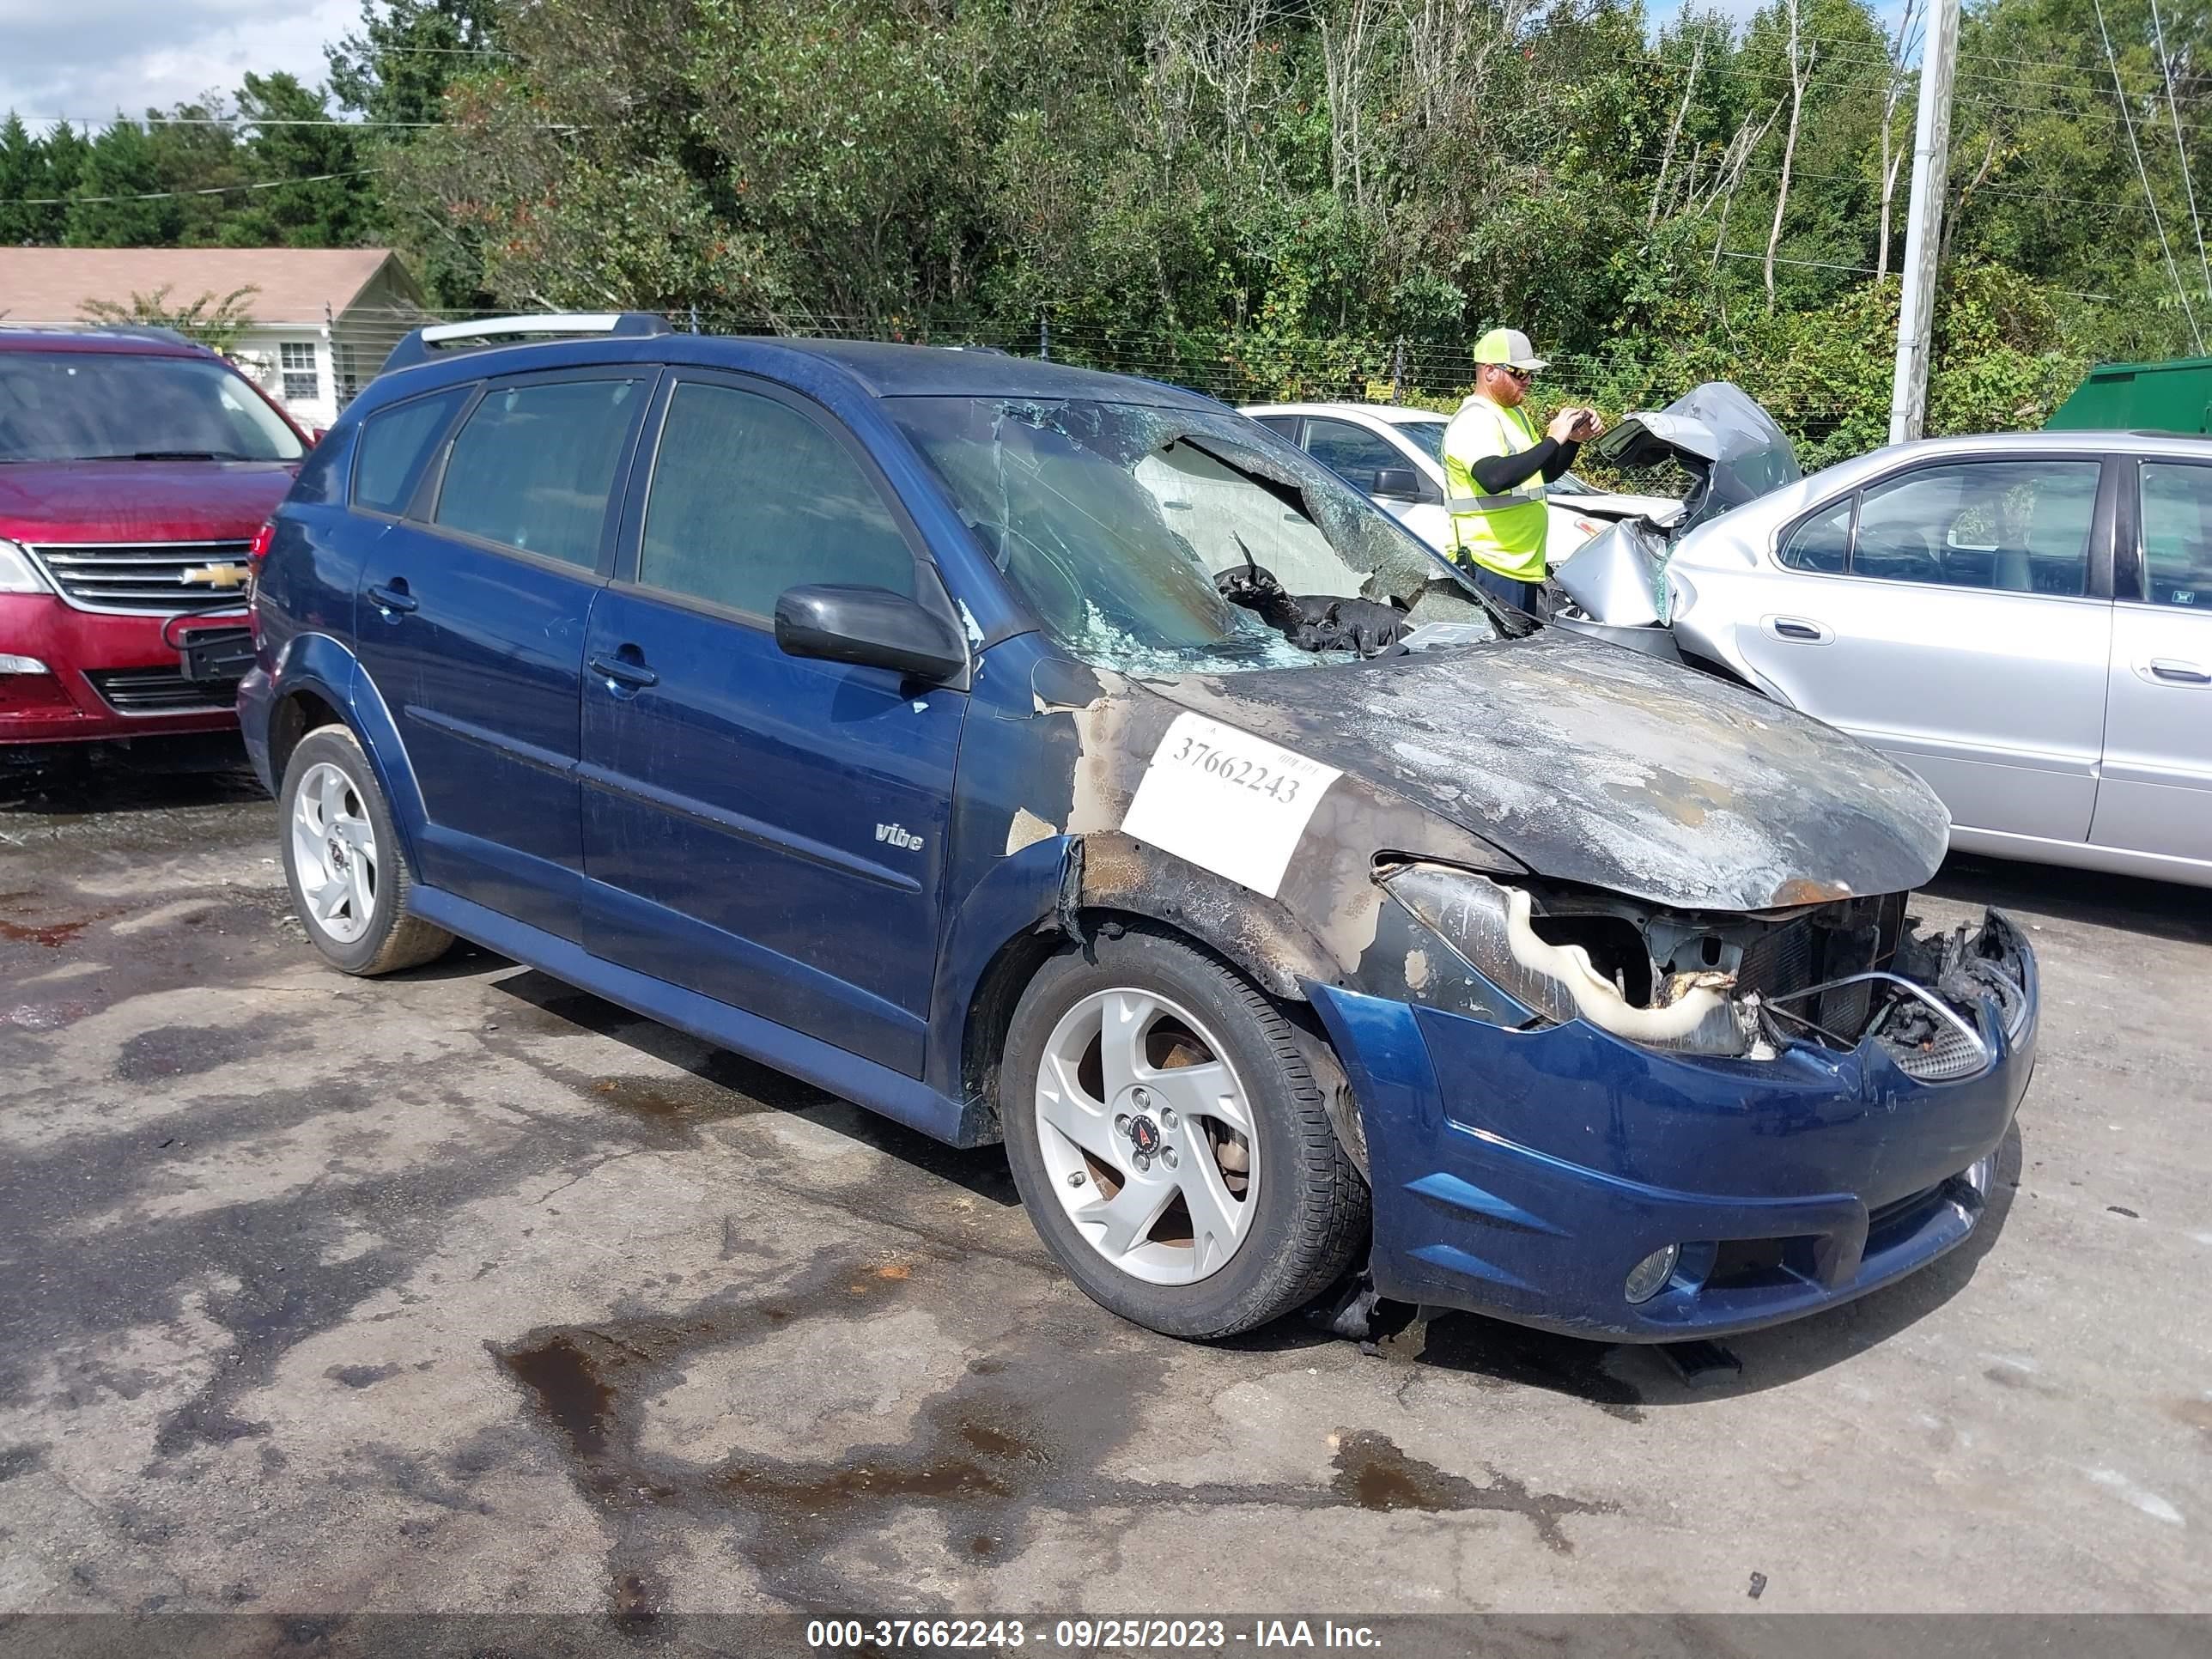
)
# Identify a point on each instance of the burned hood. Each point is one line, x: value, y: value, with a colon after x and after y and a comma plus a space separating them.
x: 1730, y: 448
x: 1592, y: 764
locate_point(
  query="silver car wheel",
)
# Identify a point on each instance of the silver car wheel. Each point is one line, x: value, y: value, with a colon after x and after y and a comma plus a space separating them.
x: 333, y: 854
x: 1149, y: 1137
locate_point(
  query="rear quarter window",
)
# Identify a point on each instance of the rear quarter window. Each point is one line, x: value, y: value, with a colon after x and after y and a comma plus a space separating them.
x: 321, y: 478
x: 1821, y: 543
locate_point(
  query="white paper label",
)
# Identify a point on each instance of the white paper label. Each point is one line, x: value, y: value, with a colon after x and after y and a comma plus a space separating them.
x: 1227, y: 801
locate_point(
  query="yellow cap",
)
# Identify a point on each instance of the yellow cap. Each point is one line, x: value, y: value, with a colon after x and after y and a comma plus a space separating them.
x: 1511, y: 347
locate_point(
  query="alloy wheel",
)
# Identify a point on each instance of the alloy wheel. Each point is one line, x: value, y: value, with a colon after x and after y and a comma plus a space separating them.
x: 334, y: 854
x: 1148, y: 1135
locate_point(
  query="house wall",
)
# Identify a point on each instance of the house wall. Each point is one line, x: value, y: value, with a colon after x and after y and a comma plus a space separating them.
x: 388, y: 306
x: 347, y: 350
x: 260, y: 353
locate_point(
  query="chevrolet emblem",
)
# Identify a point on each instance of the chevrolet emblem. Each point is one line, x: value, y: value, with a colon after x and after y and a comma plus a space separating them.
x: 218, y: 575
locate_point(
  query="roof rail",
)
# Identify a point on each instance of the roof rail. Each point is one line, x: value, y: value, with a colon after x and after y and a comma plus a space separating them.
x: 423, y: 344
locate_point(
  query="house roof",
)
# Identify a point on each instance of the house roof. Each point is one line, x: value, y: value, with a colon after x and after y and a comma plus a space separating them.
x: 296, y: 285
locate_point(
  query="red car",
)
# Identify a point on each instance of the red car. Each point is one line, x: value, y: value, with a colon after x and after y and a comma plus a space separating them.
x: 135, y: 469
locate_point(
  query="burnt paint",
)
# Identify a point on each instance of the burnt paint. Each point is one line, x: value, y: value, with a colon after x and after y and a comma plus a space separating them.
x: 1600, y: 766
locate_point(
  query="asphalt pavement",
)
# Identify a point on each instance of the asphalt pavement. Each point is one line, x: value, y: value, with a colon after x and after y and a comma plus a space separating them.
x: 466, y: 1291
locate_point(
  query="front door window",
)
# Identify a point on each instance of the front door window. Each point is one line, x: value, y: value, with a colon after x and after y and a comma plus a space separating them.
x: 749, y: 497
x: 2009, y: 526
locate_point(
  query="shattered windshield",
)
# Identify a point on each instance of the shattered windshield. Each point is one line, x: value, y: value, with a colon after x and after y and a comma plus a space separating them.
x: 1166, y: 541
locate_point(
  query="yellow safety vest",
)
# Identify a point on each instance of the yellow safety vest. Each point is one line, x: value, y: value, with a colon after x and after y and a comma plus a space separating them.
x: 1504, y: 533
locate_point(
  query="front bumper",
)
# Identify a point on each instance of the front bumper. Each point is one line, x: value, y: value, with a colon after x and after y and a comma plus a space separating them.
x: 1522, y: 1173
x: 110, y: 676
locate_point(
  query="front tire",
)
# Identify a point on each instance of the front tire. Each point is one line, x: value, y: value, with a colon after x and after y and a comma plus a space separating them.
x: 343, y: 860
x: 1169, y: 1142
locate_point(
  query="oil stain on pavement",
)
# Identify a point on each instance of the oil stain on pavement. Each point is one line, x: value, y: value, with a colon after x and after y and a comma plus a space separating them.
x: 1025, y: 1432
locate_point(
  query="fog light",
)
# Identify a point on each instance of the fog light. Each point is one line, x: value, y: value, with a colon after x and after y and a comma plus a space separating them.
x: 21, y: 664
x: 1648, y: 1277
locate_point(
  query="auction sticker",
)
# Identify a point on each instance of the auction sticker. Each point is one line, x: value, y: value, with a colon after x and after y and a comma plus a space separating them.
x: 1227, y: 801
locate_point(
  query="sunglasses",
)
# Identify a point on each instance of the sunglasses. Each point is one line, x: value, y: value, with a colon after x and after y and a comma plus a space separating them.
x: 1521, y: 375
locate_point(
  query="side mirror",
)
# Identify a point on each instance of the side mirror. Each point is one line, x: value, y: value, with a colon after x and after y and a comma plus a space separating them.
x: 871, y: 627
x: 1400, y: 483
x: 317, y: 435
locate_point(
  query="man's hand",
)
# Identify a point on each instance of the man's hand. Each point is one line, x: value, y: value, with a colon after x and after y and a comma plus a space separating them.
x: 1574, y: 425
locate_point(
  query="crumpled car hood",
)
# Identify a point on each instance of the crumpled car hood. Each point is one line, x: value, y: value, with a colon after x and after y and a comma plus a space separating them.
x: 1592, y: 764
x: 1717, y: 433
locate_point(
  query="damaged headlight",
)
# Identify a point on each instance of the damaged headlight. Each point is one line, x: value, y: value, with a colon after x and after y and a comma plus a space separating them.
x: 1491, y: 928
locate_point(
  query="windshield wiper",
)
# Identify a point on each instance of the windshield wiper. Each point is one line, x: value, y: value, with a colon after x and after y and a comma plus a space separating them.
x: 170, y: 455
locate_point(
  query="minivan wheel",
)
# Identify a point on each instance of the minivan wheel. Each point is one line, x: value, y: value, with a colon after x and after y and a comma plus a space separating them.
x: 342, y: 859
x: 1169, y: 1142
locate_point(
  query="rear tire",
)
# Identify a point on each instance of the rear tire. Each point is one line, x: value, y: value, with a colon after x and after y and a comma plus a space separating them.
x: 1200, y: 1204
x: 343, y: 862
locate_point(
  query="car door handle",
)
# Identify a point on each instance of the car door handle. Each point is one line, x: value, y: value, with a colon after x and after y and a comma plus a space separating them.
x: 623, y: 670
x: 393, y: 598
x: 2177, y: 672
x: 1799, y: 630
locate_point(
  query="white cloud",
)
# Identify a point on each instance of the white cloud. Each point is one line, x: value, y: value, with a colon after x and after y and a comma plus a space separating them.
x: 88, y: 58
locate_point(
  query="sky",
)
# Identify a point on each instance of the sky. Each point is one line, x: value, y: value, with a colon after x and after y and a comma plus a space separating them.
x: 90, y: 58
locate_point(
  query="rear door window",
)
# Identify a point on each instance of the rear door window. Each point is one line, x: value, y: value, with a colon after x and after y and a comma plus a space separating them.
x: 2010, y: 526
x: 1352, y: 452
x: 751, y: 497
x: 2177, y: 534
x: 392, y: 447
x: 535, y: 462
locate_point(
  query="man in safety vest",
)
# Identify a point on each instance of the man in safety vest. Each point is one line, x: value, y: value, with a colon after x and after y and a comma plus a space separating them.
x: 1496, y: 465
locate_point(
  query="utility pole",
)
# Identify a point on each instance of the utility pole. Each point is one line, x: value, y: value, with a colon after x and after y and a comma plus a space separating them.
x: 1923, y: 228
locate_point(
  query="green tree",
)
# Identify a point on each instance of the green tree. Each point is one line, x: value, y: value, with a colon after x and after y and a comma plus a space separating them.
x: 397, y: 68
x: 67, y: 152
x: 24, y: 177
x: 115, y: 202
x: 397, y: 65
x: 197, y: 159
x: 322, y: 197
x: 1260, y: 197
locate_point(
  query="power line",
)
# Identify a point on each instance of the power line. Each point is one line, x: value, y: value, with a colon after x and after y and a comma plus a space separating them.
x: 458, y: 52
x: 2181, y: 149
x: 2120, y: 93
x: 2102, y: 204
x: 258, y: 121
x: 171, y: 195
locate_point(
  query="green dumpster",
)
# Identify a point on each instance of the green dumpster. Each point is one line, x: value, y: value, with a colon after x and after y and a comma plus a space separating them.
x: 2169, y: 397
